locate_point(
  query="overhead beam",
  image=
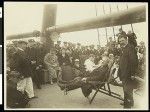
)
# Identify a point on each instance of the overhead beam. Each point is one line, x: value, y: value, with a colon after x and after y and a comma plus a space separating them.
x: 133, y: 15
x: 24, y: 35
x: 49, y: 19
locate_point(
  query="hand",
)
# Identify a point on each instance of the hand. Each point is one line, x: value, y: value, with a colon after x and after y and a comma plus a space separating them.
x: 40, y: 65
x: 33, y: 62
x: 84, y: 80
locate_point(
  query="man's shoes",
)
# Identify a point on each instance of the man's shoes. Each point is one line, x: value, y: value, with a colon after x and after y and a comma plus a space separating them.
x: 27, y: 106
x: 115, y: 83
x: 122, y: 103
x: 51, y: 83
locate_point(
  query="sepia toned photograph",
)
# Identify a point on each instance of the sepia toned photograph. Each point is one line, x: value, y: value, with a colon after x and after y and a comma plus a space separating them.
x: 76, y: 56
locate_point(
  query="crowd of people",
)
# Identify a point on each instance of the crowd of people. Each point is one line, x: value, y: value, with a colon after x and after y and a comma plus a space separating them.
x: 26, y: 62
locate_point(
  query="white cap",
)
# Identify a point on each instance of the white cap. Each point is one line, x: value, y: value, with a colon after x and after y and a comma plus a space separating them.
x: 76, y: 60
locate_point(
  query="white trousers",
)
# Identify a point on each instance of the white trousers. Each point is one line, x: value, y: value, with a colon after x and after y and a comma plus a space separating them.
x: 26, y: 85
x: 116, y: 73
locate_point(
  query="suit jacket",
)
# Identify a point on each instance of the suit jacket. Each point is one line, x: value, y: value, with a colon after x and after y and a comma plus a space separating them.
x: 98, y: 74
x: 36, y: 54
x: 41, y: 52
x: 128, y: 63
x: 22, y: 64
x: 62, y: 60
x: 32, y: 53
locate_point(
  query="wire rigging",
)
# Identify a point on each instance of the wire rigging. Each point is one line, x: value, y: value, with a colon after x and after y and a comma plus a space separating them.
x: 118, y: 11
x: 105, y: 27
x: 112, y: 26
x: 97, y: 28
x: 131, y: 23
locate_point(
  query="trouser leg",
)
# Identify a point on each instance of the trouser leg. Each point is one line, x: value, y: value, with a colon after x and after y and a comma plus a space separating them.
x: 128, y: 94
x: 21, y: 85
x: 86, y: 89
x: 29, y: 87
x: 50, y: 76
x: 75, y: 85
x: 38, y: 79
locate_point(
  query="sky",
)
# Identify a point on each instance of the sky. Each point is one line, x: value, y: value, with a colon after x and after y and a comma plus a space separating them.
x: 27, y: 17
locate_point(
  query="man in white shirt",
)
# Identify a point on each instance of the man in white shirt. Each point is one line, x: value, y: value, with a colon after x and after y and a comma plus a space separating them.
x: 97, y: 73
x: 89, y: 64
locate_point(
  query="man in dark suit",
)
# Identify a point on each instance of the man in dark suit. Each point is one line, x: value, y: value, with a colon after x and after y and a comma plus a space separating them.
x: 23, y: 66
x: 127, y: 67
x: 32, y: 51
x: 40, y: 65
x: 98, y: 74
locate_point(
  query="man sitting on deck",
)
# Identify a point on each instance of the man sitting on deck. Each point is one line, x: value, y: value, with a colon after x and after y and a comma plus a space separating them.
x: 93, y: 73
x: 96, y: 73
x: 89, y: 64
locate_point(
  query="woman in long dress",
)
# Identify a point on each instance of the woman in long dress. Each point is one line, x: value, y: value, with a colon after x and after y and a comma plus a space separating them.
x: 52, y: 65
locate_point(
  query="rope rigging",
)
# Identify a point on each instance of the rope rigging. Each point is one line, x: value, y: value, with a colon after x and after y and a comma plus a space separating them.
x: 113, y: 26
x: 97, y: 28
x: 118, y: 11
x: 105, y: 27
x: 131, y: 23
